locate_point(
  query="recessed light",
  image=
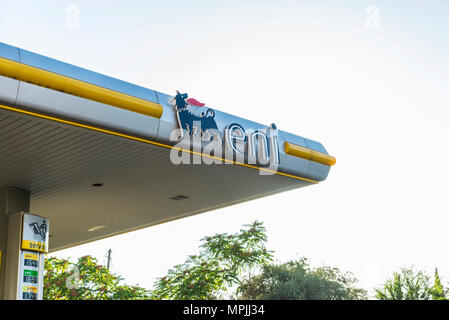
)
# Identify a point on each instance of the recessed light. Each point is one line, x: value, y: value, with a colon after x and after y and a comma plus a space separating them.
x: 179, y: 197
x: 95, y: 228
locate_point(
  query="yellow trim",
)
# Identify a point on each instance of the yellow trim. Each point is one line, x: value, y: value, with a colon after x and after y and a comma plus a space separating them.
x: 78, y: 88
x: 150, y: 142
x: 30, y: 256
x: 309, y: 154
x: 34, y: 246
x: 29, y: 289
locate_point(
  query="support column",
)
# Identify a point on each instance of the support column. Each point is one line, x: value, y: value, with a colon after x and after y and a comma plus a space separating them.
x: 12, y: 201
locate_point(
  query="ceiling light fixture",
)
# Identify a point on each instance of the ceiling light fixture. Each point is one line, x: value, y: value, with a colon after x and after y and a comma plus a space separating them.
x: 95, y: 228
x: 179, y: 197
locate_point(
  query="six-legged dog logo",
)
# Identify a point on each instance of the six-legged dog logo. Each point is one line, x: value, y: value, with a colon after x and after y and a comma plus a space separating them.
x: 198, y: 132
x: 39, y: 230
x: 193, y: 117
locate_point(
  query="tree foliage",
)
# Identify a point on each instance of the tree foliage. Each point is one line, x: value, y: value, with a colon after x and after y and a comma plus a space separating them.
x: 219, y: 265
x: 85, y: 280
x: 237, y: 261
x: 437, y: 291
x: 296, y: 280
x: 411, y: 284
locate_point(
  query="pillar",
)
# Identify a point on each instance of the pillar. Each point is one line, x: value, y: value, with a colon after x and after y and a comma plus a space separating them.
x: 13, y: 201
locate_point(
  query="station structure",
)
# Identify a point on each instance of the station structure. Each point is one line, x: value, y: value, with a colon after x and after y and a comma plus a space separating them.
x: 84, y: 156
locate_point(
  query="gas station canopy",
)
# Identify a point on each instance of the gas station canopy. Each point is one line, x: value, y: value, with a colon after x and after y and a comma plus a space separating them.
x: 96, y: 153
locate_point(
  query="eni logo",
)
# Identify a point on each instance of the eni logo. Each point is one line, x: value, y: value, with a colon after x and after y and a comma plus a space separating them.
x: 39, y: 230
x: 237, y: 143
x: 259, y: 146
x: 193, y: 118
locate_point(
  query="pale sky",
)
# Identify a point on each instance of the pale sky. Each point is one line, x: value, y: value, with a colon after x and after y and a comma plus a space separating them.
x: 368, y: 79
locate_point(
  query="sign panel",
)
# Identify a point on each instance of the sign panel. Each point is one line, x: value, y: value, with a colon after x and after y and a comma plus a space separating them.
x: 221, y: 137
x: 35, y: 233
x: 30, y: 275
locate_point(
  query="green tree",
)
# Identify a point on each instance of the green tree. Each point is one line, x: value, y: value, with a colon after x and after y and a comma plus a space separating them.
x: 411, y: 284
x: 296, y: 280
x: 222, y: 261
x: 438, y: 292
x: 85, y: 280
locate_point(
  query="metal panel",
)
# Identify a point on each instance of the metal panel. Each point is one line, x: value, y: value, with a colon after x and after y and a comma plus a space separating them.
x: 298, y: 166
x: 80, y: 110
x: 291, y: 164
x: 314, y: 145
x: 292, y: 138
x: 167, y: 122
x: 85, y: 75
x: 9, y: 52
x: 287, y: 164
x: 224, y: 119
x: 8, y: 90
x: 318, y: 171
x: 86, y: 111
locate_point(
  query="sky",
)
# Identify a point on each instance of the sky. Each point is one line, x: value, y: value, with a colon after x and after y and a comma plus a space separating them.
x: 367, y: 79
